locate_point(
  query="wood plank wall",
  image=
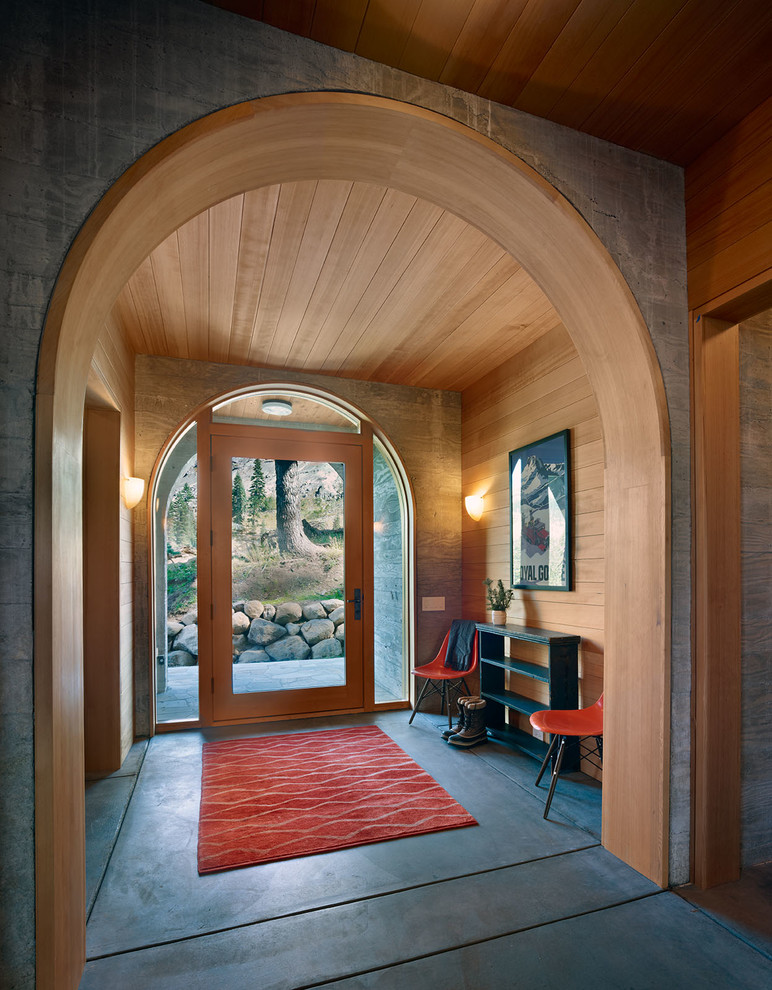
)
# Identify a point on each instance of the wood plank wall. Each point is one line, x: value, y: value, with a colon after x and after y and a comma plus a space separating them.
x: 113, y: 368
x: 729, y: 210
x: 541, y: 391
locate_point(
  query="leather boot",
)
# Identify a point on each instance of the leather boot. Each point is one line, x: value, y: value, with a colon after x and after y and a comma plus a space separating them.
x: 461, y: 705
x: 474, y: 731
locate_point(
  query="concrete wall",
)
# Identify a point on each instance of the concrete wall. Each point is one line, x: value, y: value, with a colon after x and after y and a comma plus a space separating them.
x: 87, y: 87
x: 756, y: 475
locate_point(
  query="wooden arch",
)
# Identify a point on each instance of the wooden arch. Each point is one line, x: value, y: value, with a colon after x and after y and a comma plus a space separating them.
x: 369, y: 139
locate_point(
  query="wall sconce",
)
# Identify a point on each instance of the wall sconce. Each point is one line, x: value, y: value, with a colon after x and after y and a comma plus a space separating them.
x: 475, y: 504
x: 133, y: 490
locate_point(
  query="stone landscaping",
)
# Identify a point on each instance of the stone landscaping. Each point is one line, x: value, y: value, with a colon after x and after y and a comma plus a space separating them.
x: 266, y: 633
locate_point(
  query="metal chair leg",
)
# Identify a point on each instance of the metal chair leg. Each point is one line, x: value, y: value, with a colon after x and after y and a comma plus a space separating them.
x: 550, y: 751
x: 555, y: 774
x: 418, y: 700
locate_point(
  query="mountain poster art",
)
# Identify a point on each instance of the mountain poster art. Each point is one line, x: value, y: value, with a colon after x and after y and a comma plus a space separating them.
x: 539, y: 476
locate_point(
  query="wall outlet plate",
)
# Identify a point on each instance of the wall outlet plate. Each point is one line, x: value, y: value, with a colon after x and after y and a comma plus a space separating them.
x: 433, y: 604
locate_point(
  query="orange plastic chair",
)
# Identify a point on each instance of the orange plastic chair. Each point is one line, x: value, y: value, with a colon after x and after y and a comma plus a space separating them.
x: 447, y: 679
x: 563, y: 725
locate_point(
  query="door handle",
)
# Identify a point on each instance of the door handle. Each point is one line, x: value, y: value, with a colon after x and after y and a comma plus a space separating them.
x: 356, y: 601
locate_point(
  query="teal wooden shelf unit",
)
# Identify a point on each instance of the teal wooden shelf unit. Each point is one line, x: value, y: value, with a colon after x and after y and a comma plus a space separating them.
x: 561, y: 674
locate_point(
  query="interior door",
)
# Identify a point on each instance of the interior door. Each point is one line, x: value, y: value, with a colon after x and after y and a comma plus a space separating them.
x: 287, y: 575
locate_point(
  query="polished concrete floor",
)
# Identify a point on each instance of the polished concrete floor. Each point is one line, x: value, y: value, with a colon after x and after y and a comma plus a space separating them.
x: 512, y: 902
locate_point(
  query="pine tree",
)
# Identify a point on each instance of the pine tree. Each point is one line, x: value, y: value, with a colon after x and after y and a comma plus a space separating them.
x: 256, y: 500
x: 238, y: 499
x: 181, y: 518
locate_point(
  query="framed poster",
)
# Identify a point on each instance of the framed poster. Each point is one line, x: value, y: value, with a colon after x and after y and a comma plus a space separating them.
x: 540, y: 519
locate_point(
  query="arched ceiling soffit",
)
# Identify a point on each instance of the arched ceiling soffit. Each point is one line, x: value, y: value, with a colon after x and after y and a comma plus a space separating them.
x: 335, y: 277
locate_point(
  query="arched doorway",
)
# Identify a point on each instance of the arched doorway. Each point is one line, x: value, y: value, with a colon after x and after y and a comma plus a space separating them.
x: 325, y: 135
x: 183, y: 488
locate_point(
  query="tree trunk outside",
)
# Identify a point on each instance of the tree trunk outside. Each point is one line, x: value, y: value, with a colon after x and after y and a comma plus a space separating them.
x: 289, y: 524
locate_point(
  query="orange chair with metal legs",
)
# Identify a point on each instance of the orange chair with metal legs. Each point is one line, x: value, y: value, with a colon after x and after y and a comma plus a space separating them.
x: 581, y: 722
x: 440, y: 677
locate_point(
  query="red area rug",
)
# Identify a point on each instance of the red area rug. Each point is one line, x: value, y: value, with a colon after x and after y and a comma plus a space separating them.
x: 276, y: 797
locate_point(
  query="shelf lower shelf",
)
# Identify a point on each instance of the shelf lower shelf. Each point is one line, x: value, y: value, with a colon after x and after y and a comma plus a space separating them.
x: 511, y: 736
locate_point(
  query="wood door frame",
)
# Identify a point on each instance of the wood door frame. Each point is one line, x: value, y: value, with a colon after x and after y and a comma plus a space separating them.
x: 346, y: 135
x: 355, y: 512
x: 717, y: 569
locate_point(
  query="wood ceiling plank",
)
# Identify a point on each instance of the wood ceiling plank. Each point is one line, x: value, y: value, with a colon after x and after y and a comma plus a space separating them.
x: 714, y: 106
x: 385, y: 30
x: 481, y: 39
x: 295, y: 200
x: 358, y: 216
x: 147, y: 308
x: 397, y: 328
x: 485, y: 272
x: 401, y: 226
x: 193, y: 238
x: 390, y: 218
x: 256, y: 229
x: 435, y: 31
x: 504, y: 323
x: 125, y: 315
x: 295, y: 16
x: 670, y: 87
x: 589, y: 26
x: 325, y: 214
x: 338, y: 22
x: 224, y: 239
x: 634, y: 32
x: 636, y: 96
x: 532, y: 37
x: 527, y: 332
x: 167, y: 272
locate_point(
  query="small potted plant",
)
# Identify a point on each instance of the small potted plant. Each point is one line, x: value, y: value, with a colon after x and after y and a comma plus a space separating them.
x: 499, y: 600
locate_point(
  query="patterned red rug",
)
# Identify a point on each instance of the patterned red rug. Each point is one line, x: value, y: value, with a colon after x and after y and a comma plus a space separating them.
x: 276, y: 797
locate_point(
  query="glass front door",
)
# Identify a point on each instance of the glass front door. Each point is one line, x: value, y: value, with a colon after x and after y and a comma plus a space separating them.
x: 287, y: 576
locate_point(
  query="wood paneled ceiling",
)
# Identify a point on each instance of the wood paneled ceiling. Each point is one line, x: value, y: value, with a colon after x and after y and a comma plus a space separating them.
x: 666, y: 77
x: 338, y: 278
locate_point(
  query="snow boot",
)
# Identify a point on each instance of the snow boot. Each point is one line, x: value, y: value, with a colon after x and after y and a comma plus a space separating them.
x: 461, y: 705
x: 474, y: 731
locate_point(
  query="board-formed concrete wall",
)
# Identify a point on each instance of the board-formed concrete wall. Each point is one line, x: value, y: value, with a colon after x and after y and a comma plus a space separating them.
x: 87, y: 87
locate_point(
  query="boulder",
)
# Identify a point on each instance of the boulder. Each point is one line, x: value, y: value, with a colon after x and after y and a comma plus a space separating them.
x: 253, y: 656
x: 340, y: 632
x: 253, y: 609
x: 189, y: 619
x: 239, y: 606
x: 316, y: 630
x: 314, y: 610
x: 240, y: 643
x: 187, y: 640
x: 327, y: 648
x: 293, y: 628
x: 269, y: 612
x: 181, y: 658
x: 330, y: 604
x: 338, y: 615
x: 173, y: 628
x: 289, y: 648
x: 262, y: 632
x: 288, y: 612
x: 240, y: 623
